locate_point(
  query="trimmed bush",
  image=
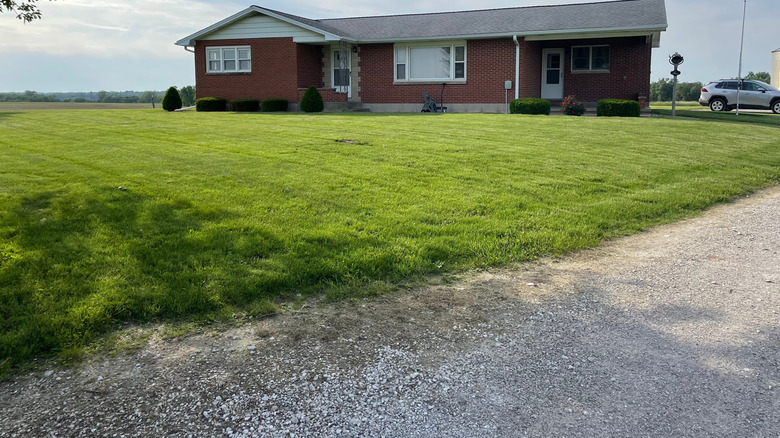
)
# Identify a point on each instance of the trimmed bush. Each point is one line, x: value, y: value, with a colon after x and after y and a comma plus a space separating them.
x: 272, y: 105
x: 311, y: 102
x: 245, y: 105
x: 210, y: 104
x: 617, y: 108
x: 529, y: 105
x: 171, y: 101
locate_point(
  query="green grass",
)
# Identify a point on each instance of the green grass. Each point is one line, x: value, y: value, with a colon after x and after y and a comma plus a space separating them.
x: 694, y: 110
x: 229, y: 212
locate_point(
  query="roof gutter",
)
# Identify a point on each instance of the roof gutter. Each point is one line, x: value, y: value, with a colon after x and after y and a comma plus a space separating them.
x: 517, y: 66
x: 530, y: 35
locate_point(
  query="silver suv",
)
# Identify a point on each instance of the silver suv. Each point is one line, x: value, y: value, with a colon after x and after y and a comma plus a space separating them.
x: 722, y: 95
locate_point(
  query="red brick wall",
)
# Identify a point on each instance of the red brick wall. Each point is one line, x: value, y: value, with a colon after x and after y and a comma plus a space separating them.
x: 274, y: 71
x: 485, y: 84
x: 280, y: 68
x: 530, y: 69
x: 628, y: 76
x: 309, y: 66
x: 491, y: 62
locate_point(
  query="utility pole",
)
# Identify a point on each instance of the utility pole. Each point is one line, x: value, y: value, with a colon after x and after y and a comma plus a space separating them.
x: 741, y: 44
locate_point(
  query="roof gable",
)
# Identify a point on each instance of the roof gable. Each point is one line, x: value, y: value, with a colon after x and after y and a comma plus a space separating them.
x: 646, y: 16
x: 243, y: 22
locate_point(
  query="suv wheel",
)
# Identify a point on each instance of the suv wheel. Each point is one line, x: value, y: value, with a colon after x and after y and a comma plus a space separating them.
x: 776, y: 106
x: 718, y: 105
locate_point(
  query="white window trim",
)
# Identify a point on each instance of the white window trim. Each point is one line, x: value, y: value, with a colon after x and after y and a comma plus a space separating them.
x: 451, y: 44
x: 238, y: 60
x: 590, y: 68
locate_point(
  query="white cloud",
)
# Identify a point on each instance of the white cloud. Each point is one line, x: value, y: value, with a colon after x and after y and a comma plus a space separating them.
x: 106, y: 28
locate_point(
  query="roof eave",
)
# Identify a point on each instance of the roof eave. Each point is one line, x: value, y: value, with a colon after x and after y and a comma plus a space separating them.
x: 532, y: 36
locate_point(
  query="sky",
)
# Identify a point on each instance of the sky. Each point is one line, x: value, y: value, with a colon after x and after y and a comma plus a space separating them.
x: 118, y: 45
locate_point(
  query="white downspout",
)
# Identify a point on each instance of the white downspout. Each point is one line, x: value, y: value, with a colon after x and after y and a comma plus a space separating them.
x: 517, y: 66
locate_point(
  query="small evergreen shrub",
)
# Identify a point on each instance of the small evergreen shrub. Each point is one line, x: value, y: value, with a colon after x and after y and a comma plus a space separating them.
x: 272, y: 105
x: 529, y: 105
x: 617, y: 108
x: 311, y: 102
x: 210, y: 104
x: 171, y: 101
x: 245, y: 105
x: 572, y: 107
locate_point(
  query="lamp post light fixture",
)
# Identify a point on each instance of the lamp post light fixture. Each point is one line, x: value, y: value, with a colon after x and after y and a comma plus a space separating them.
x: 676, y: 60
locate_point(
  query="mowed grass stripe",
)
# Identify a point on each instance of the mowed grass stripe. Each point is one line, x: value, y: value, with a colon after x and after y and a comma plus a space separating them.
x: 230, y: 211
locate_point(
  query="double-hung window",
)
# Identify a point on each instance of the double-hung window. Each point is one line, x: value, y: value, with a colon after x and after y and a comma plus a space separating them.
x: 228, y: 59
x: 590, y: 58
x: 430, y: 62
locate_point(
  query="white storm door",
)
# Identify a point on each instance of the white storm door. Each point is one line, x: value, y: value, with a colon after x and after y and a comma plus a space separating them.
x: 342, y: 80
x: 552, y: 74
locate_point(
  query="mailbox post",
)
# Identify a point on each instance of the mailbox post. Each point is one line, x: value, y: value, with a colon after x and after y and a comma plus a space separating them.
x: 675, y: 60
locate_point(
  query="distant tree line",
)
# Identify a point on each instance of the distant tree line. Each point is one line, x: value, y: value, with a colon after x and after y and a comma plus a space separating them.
x: 661, y: 90
x: 28, y: 96
x: 187, y: 96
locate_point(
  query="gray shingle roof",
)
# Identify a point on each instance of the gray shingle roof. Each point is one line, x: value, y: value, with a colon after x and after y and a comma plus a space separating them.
x: 616, y: 15
x: 613, y: 15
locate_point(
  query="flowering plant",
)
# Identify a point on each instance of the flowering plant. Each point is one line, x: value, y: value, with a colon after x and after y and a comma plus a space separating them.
x: 571, y: 107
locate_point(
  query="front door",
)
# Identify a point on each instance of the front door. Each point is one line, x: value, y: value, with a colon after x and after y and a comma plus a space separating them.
x: 341, y: 74
x: 552, y: 74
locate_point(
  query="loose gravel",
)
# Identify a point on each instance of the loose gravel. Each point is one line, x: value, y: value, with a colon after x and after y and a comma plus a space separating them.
x: 673, y: 332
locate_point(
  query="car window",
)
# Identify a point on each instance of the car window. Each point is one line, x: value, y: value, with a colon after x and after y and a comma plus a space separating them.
x: 750, y: 86
x: 730, y: 85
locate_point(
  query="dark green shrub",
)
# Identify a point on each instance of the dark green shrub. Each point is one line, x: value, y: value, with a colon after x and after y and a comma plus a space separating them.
x: 78, y: 100
x: 529, y: 105
x: 617, y: 108
x: 171, y: 101
x: 312, y: 101
x: 273, y: 105
x: 245, y: 105
x: 210, y: 104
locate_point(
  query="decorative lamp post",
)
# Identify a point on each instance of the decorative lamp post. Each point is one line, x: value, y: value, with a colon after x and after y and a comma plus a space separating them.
x: 676, y: 60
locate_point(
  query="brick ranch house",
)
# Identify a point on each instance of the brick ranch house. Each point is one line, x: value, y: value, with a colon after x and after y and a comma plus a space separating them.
x: 473, y: 60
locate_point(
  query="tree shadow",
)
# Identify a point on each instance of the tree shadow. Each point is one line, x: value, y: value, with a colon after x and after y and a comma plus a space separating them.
x: 72, y: 265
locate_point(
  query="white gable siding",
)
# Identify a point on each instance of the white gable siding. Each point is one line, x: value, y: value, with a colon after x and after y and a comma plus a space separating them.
x: 263, y: 26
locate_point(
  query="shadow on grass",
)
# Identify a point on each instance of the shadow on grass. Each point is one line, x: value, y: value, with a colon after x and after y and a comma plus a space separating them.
x: 6, y: 114
x: 336, y: 113
x: 72, y: 265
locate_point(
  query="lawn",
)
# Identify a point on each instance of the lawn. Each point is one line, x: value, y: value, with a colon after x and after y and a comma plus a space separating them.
x: 226, y: 212
x: 695, y: 110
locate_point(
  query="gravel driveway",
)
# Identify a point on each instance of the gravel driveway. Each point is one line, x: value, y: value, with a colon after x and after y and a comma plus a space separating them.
x: 674, y: 332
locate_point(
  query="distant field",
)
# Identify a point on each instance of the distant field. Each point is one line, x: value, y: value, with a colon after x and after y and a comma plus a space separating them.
x: 29, y: 106
x: 227, y: 212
